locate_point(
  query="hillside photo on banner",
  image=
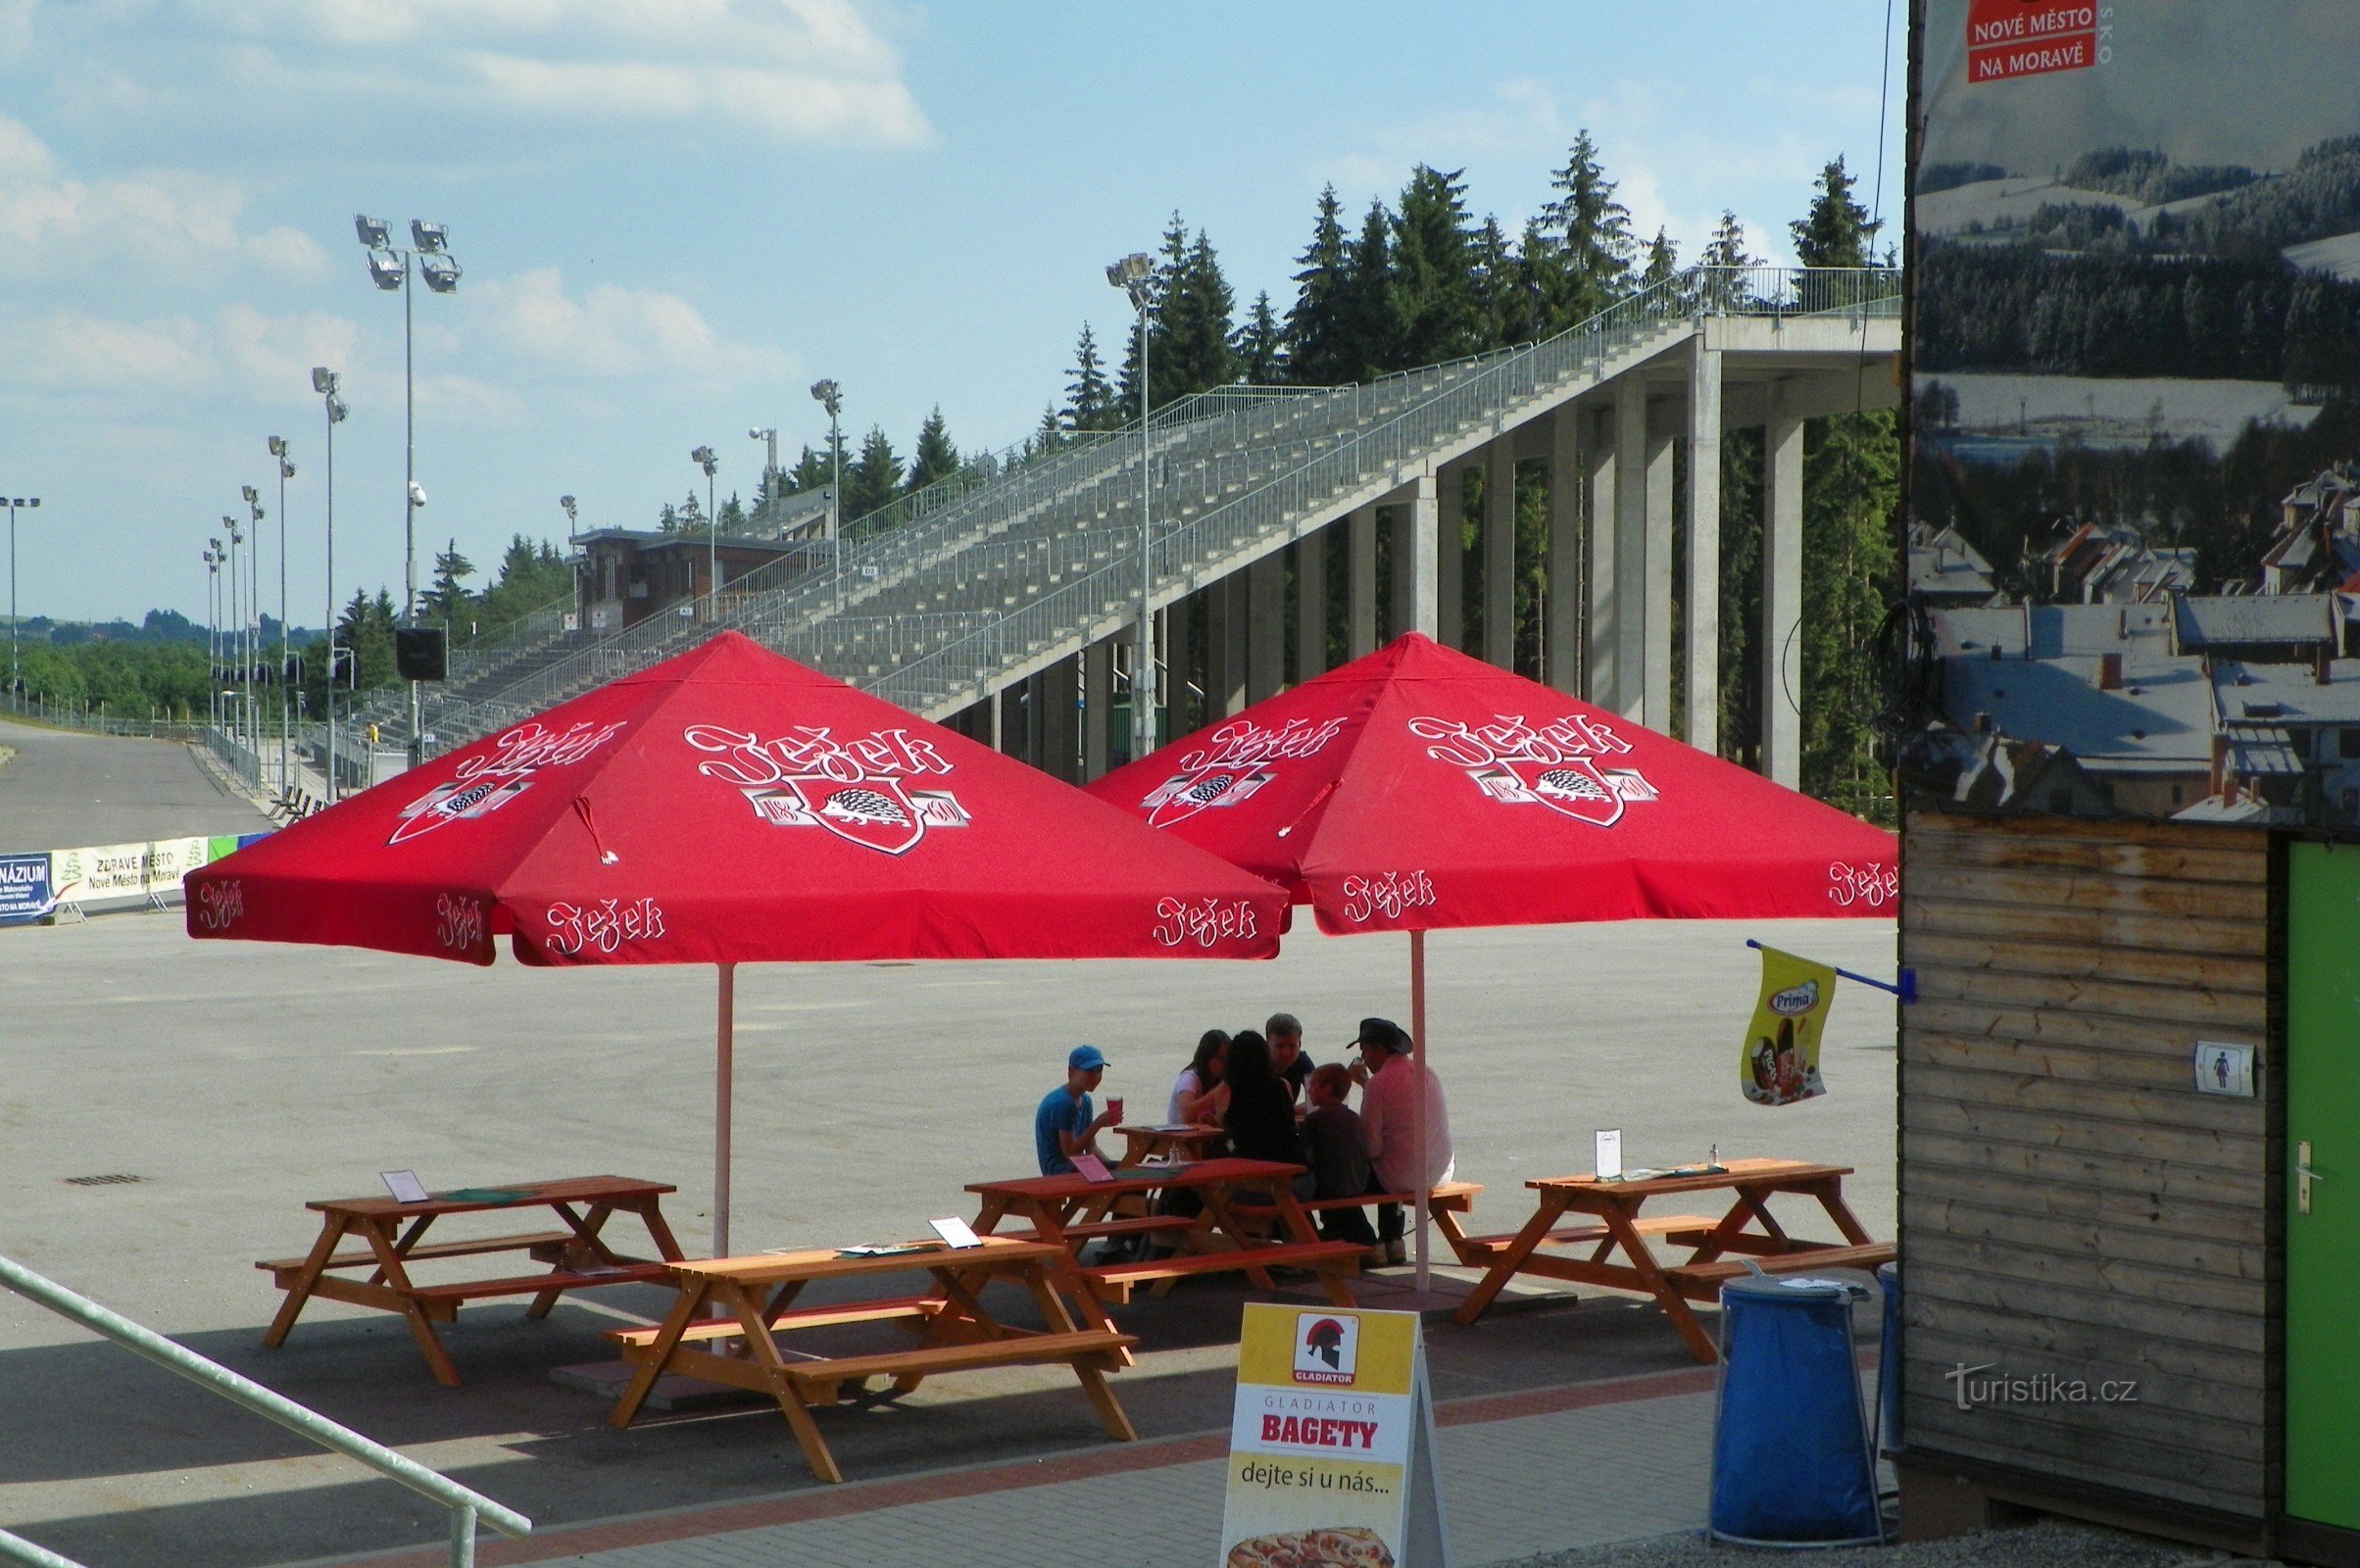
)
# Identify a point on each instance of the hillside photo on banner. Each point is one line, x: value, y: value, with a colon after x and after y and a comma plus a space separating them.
x: 1781, y: 1060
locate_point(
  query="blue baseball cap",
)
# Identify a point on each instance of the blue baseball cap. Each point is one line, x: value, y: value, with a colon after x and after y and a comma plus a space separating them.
x: 1085, y: 1058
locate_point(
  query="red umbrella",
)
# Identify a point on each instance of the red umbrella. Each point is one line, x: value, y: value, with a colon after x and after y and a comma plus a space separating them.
x: 728, y: 806
x: 1418, y: 789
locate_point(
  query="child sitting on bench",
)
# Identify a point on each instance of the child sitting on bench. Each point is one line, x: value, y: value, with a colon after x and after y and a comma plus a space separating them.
x: 1339, y: 1159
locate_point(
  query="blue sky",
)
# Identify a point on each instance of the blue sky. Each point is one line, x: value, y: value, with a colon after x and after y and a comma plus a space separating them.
x: 674, y: 214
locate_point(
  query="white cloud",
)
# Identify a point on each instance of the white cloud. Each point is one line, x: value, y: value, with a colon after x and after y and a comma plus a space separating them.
x: 802, y: 71
x: 156, y: 220
x: 611, y: 331
x: 69, y: 349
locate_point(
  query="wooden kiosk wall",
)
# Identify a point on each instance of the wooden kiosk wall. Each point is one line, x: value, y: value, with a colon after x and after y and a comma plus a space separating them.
x: 2071, y: 1208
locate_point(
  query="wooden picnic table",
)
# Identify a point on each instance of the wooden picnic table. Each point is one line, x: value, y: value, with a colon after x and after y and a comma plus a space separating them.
x: 1165, y: 1140
x: 1072, y: 1210
x: 1612, y: 1224
x: 755, y: 1296
x: 578, y: 1256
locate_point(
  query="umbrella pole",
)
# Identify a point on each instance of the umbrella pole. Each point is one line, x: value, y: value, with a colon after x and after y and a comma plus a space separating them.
x: 724, y: 1050
x: 1417, y: 1101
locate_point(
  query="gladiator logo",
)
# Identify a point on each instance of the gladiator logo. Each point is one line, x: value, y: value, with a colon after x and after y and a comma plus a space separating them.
x: 221, y: 904
x: 458, y: 923
x: 1327, y: 1349
x: 1388, y: 895
x: 1555, y: 764
x: 483, y: 783
x: 851, y: 786
x: 603, y: 926
x: 1874, y: 884
x: 1231, y: 765
x: 1204, y: 921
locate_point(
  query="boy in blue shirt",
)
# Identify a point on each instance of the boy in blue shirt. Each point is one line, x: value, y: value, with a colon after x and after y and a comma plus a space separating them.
x: 1063, y: 1126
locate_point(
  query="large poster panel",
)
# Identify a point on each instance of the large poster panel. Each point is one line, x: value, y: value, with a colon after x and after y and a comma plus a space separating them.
x: 2135, y: 511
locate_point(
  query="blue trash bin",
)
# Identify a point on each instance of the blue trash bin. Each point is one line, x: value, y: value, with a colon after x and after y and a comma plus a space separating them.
x: 1888, y: 1362
x: 1792, y: 1465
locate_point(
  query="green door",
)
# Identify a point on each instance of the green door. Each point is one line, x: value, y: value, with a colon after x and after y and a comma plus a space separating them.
x: 2322, y: 1240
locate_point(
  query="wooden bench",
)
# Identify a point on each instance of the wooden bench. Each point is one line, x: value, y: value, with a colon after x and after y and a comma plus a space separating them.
x: 1100, y: 1349
x: 1702, y: 1282
x: 1114, y: 1281
x: 906, y: 1309
x: 1098, y: 1230
x: 1478, y: 1250
x: 441, y: 1302
x: 532, y: 1243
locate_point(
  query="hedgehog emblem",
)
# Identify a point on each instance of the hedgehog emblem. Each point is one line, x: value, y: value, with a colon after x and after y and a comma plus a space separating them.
x: 865, y: 807
x: 1564, y: 781
x: 1210, y: 788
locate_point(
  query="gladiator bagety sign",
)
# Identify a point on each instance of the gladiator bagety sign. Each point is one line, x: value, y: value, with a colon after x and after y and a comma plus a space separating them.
x: 1331, y: 1448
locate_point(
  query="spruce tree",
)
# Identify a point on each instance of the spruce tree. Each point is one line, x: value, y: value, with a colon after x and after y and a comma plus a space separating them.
x: 1089, y: 396
x: 1663, y: 259
x: 1503, y: 297
x: 811, y: 471
x: 1260, y: 346
x: 1366, y: 322
x: 1438, y: 313
x: 731, y: 520
x: 934, y: 458
x: 445, y: 598
x: 1197, y: 353
x: 875, y: 480
x: 1727, y: 247
x: 1590, y: 250
x: 1838, y: 230
x: 1170, y: 263
x: 1318, y: 353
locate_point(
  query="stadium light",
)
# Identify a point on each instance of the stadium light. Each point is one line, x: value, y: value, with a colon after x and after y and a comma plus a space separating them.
x: 1135, y: 275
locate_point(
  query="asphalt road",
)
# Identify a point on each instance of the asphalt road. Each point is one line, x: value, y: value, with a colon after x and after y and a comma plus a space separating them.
x: 239, y: 1081
x: 65, y: 790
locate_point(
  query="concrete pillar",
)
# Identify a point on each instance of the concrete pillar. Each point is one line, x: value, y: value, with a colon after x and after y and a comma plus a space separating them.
x: 1266, y: 623
x: 1500, y: 554
x: 1655, y: 681
x: 1561, y: 610
x: 1179, y: 663
x: 1630, y: 547
x: 1782, y: 596
x: 1310, y: 605
x: 1225, y: 615
x: 1416, y: 599
x: 1097, y: 705
x: 1701, y: 621
x: 1450, y: 556
x: 1602, y: 628
x: 1361, y: 585
x: 1060, y: 738
x: 999, y: 718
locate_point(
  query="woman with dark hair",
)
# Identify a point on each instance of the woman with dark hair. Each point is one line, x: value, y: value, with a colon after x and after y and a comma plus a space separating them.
x: 1261, y: 1117
x: 1198, y: 1095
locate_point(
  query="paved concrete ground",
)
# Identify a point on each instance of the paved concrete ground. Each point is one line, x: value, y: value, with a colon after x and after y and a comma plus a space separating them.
x: 238, y: 1082
x: 63, y: 790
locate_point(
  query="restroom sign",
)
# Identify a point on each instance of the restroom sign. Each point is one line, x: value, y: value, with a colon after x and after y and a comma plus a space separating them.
x: 2223, y: 1069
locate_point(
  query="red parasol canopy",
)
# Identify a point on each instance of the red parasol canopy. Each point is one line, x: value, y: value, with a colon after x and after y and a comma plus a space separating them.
x: 1418, y: 789
x: 726, y: 807
x: 731, y: 806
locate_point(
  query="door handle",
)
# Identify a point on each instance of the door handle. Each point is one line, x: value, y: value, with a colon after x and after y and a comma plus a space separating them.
x: 2304, y: 1176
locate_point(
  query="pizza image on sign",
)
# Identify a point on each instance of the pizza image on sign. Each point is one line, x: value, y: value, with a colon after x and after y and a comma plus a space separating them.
x: 1345, y: 1547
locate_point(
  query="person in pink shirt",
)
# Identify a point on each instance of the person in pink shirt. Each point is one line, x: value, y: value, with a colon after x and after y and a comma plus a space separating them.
x: 1391, y: 1079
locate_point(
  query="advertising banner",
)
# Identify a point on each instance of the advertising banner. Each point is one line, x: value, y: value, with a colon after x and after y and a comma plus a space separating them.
x: 1781, y: 1061
x: 125, y: 870
x: 24, y: 888
x: 1331, y: 1448
x: 2135, y: 505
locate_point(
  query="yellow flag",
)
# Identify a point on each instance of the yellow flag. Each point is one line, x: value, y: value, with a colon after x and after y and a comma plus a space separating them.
x: 1780, y: 1064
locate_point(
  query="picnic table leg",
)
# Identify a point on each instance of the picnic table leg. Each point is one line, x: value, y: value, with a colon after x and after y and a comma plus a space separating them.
x: 652, y: 1216
x: 1217, y: 1204
x: 401, y: 1248
x: 1651, y: 1279
x: 585, y: 1246
x: 790, y: 1402
x: 389, y: 1264
x: 1454, y: 1236
x: 330, y: 1233
x: 667, y: 1339
x: 1091, y: 1376
x: 1299, y: 1228
x: 1830, y: 1194
x: 1748, y: 1206
x: 1505, y: 1267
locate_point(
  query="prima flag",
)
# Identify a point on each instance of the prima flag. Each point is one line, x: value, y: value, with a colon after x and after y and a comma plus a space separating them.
x: 1781, y: 1060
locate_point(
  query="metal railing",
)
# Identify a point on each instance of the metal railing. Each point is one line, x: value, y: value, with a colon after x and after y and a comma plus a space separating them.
x: 76, y: 718
x: 469, y: 1507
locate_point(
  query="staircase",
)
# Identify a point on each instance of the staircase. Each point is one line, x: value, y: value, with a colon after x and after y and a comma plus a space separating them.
x: 964, y: 593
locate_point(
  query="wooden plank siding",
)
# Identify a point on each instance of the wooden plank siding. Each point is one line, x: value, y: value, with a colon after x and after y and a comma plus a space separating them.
x: 2071, y: 1208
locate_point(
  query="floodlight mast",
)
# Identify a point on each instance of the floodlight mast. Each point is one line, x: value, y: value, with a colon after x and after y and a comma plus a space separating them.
x: 325, y: 383
x: 830, y: 397
x: 1135, y: 275
x: 16, y: 673
x: 389, y: 268
x: 704, y: 459
x: 286, y: 721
